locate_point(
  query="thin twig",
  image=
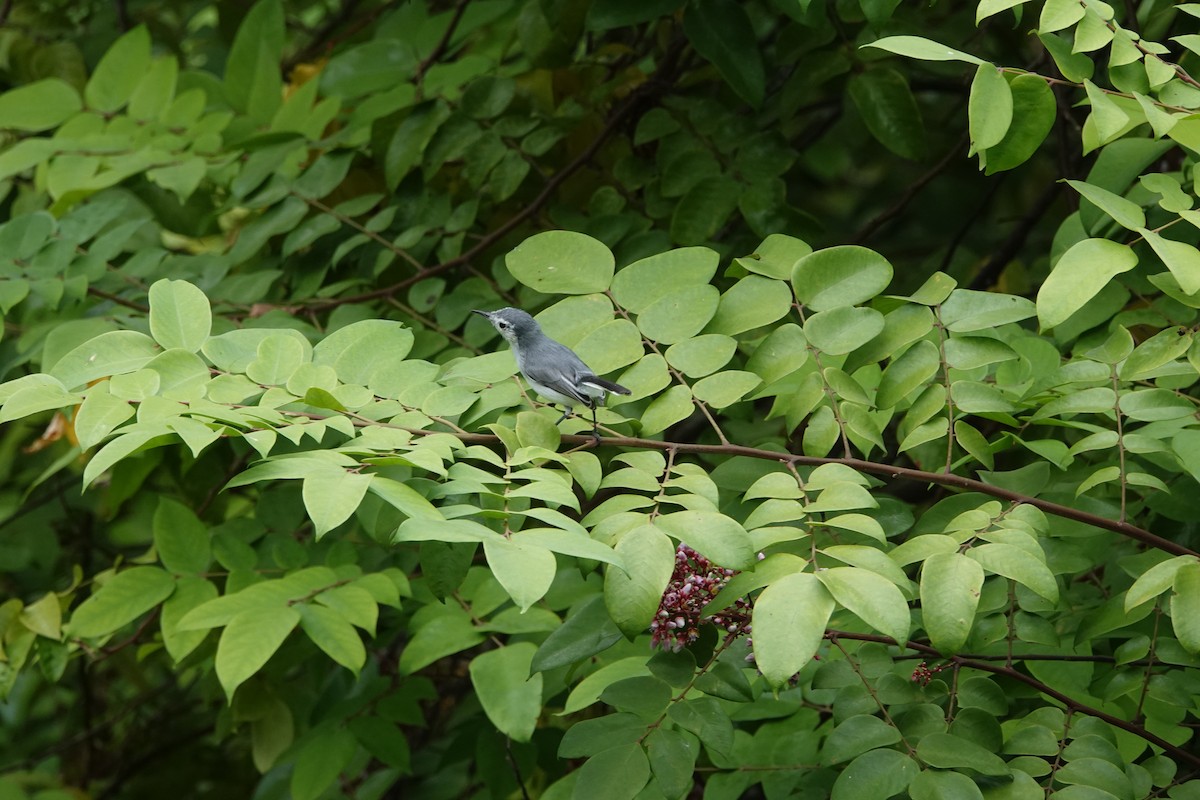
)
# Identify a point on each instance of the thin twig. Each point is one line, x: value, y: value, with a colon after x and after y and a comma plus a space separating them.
x: 1008, y: 672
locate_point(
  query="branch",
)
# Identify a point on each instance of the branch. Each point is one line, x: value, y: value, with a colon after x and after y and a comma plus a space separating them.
x: 439, y: 49
x: 1177, y: 753
x: 873, y: 467
x: 879, y: 220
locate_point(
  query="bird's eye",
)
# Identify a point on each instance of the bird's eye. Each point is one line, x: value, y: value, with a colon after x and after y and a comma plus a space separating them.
x: 501, y: 325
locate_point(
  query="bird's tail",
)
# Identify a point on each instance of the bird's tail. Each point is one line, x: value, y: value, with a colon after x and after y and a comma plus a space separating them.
x: 607, y: 386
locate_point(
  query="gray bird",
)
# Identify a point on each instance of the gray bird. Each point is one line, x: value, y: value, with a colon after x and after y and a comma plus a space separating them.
x: 552, y: 369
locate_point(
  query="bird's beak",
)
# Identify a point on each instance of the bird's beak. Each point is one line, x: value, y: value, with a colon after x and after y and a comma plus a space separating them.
x: 484, y: 314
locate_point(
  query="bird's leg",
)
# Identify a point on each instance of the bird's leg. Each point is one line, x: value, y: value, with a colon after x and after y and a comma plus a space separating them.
x: 595, y: 426
x: 565, y: 414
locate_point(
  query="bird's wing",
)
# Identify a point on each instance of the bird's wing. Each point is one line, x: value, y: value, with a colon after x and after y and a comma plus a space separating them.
x: 607, y: 385
x: 564, y: 380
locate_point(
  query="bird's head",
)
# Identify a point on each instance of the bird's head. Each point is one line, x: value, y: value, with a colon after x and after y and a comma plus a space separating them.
x: 512, y: 323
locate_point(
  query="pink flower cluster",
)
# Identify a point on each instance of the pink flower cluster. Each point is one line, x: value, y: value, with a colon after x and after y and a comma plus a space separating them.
x: 694, y: 583
x: 923, y: 674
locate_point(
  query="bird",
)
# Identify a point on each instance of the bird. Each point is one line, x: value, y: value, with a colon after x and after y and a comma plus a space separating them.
x: 552, y: 369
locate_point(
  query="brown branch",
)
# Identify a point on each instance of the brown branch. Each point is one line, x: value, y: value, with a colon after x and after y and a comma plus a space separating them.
x: 121, y: 301
x: 873, y: 467
x: 439, y: 49
x: 1074, y: 705
x: 894, y: 210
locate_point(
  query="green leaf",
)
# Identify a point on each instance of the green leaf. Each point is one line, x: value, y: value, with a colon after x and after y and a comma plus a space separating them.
x: 720, y: 30
x: 613, y: 345
x: 934, y: 784
x: 332, y: 496
x: 1159, y: 350
x: 701, y: 355
x: 179, y: 315
x: 717, y: 537
x: 990, y: 108
x: 1127, y: 213
x: 947, y: 751
x: 181, y: 539
x: 431, y: 530
x: 249, y: 640
x: 571, y: 544
x: 890, y: 112
x: 119, y: 72
x: 413, y: 134
x: 680, y: 315
x: 522, y: 568
x: 384, y: 740
x: 673, y: 405
x: 877, y: 773
x: 588, y: 631
x: 38, y: 106
x: 34, y: 393
x: 1185, y: 606
x: 1013, y: 562
x: 1033, y: 116
x: 988, y: 8
x: 120, y: 600
x: 111, y: 353
x: 1183, y: 260
x: 751, y: 303
x: 98, y: 416
x: 632, y: 595
x: 1075, y: 67
x: 922, y: 49
x: 706, y: 718
x: 855, y: 736
x: 840, y: 276
x: 155, y: 90
x: 403, y: 497
x: 775, y: 256
x: 842, y: 330
x: 672, y: 760
x: 644, y: 282
x: 510, y: 696
x: 704, y: 209
x: 331, y: 632
x: 234, y: 351
x: 355, y: 604
x: 1154, y: 581
x: 871, y: 597
x: 950, y: 586
x: 1107, y: 116
x: 562, y: 262
x: 253, y: 82
x: 278, y: 357
x: 725, y: 388
x: 968, y: 310
x: 1079, y: 276
x: 904, y: 375
x: 190, y: 592
x: 1059, y: 14
x: 360, y: 351
x: 118, y: 449
x: 444, y: 635
x: 320, y: 761
x: 618, y: 773
x: 789, y: 620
